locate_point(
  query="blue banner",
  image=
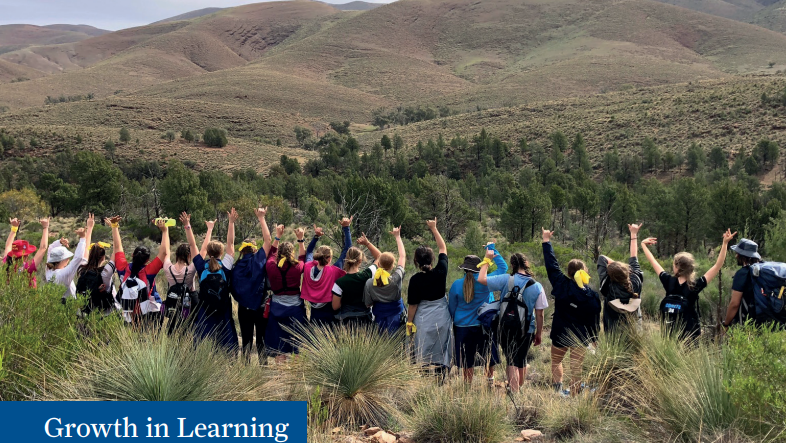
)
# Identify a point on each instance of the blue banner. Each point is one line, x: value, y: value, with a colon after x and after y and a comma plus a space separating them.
x: 31, y: 422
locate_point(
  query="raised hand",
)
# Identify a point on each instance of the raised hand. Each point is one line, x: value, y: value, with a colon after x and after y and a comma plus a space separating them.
x: 432, y: 224
x: 232, y: 215
x: 260, y: 212
x: 345, y: 222
x: 210, y: 224
x: 649, y: 241
x: 116, y: 219
x: 161, y: 224
x: 396, y: 232
x: 363, y: 240
x: 318, y: 231
x: 64, y: 242
x: 91, y: 221
x: 80, y: 233
x: 547, y: 235
x: 490, y: 254
x: 44, y: 223
x: 727, y: 236
x: 279, y: 231
x: 634, y: 228
x: 300, y: 233
x: 185, y: 218
x: 15, y: 222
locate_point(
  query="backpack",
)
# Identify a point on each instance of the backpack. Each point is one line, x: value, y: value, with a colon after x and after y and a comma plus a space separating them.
x: 132, y: 291
x: 89, y: 284
x: 514, y: 312
x: 177, y: 294
x: 769, y: 282
x: 676, y: 309
x: 213, y: 288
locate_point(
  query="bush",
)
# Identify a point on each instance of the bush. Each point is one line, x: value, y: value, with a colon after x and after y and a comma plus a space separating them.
x: 459, y: 413
x: 359, y: 372
x: 157, y: 366
x: 566, y: 418
x: 215, y: 137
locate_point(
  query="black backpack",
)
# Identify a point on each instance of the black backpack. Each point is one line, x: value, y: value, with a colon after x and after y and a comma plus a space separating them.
x: 676, y: 311
x: 176, y: 294
x: 89, y: 285
x: 514, y: 312
x: 213, y: 289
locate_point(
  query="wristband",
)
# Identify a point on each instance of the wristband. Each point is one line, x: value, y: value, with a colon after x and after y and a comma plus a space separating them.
x: 187, y: 227
x: 302, y: 240
x: 14, y: 228
x: 277, y: 239
x: 114, y: 225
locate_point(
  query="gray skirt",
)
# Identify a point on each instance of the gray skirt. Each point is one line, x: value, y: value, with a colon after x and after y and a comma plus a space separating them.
x: 433, y: 341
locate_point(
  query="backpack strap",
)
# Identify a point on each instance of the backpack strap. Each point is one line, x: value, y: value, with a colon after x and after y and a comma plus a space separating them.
x: 284, y: 284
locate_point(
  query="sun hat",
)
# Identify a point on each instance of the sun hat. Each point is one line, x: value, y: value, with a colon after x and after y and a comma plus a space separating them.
x: 21, y: 248
x: 747, y: 248
x: 58, y: 254
x: 632, y: 305
x: 470, y: 264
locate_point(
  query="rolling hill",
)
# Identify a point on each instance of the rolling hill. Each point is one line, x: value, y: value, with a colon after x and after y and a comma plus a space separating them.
x: 766, y: 13
x: 16, y: 37
x: 355, y: 6
x: 189, y: 15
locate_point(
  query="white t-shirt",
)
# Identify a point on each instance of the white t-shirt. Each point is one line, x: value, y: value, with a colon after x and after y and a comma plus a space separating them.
x: 66, y: 275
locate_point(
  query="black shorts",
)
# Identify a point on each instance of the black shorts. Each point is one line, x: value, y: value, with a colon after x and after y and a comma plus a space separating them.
x: 472, y: 346
x: 515, y: 346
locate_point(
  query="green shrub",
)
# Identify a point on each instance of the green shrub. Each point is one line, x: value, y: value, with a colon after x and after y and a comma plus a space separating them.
x: 215, y: 137
x: 358, y: 371
x: 460, y: 413
x: 158, y: 367
x: 756, y: 375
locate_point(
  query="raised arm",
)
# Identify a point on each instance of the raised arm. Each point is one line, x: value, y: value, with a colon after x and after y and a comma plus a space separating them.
x: 267, y: 241
x: 39, y: 255
x: 208, y: 237
x: 634, y: 235
x: 91, y: 223
x: 279, y: 233
x: 713, y: 272
x: 655, y: 265
x: 345, y: 223
x: 483, y: 278
x: 163, y: 250
x: 375, y: 253
x: 550, y: 259
x: 502, y: 266
x: 79, y: 254
x: 9, y: 242
x: 232, y: 216
x: 186, y: 220
x: 114, y: 223
x: 432, y: 225
x: 318, y: 233
x: 300, y: 234
x: 402, y: 253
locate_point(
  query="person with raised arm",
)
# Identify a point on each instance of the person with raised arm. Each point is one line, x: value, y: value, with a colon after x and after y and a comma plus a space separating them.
x: 348, y: 290
x: 248, y: 286
x: 213, y: 314
x: 16, y: 255
x: 60, y: 269
x: 576, y: 315
x: 428, y: 318
x: 284, y: 272
x: 620, y: 286
x: 319, y: 276
x: 679, y: 309
x: 94, y: 278
x: 382, y: 292
x: 180, y: 277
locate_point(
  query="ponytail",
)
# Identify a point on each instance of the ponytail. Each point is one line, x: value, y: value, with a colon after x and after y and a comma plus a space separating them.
x: 469, y: 287
x: 214, y: 265
x: 215, y: 250
x: 519, y: 263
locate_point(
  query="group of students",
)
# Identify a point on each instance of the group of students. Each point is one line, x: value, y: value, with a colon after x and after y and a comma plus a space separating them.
x: 484, y: 310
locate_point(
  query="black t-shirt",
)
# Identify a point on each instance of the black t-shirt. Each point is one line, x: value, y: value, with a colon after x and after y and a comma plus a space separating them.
x: 744, y: 283
x: 673, y: 287
x: 429, y: 286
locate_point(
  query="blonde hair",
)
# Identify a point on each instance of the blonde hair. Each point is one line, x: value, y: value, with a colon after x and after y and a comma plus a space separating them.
x: 355, y: 257
x: 215, y: 249
x: 469, y: 286
x: 386, y: 261
x: 686, y: 267
x: 619, y: 273
x: 287, y: 250
x: 323, y: 255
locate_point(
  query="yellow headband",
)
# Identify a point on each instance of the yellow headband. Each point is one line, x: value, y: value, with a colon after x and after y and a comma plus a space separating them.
x: 381, y: 274
x: 101, y: 244
x: 581, y: 278
x: 245, y: 245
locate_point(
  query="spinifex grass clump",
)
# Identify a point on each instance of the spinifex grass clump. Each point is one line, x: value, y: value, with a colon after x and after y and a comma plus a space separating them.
x: 155, y: 366
x: 359, y: 371
x: 460, y: 413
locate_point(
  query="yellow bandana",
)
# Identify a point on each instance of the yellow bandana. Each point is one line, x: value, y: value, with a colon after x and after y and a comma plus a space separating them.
x: 245, y: 245
x: 381, y: 274
x: 581, y: 278
x: 101, y: 244
x: 485, y: 261
x: 281, y: 262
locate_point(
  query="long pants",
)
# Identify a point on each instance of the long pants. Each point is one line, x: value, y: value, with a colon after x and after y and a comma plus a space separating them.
x: 250, y: 319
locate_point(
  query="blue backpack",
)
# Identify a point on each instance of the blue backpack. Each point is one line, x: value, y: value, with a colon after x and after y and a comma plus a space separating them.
x: 769, y: 282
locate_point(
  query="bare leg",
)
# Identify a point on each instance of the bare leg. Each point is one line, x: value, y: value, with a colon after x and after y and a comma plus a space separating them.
x: 468, y: 374
x: 557, y: 355
x: 513, y: 378
x: 576, y: 361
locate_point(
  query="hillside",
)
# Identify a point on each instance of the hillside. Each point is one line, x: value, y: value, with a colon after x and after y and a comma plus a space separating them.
x: 16, y: 37
x: 766, y: 13
x: 12, y: 72
x: 772, y: 17
x: 355, y: 6
x: 189, y: 15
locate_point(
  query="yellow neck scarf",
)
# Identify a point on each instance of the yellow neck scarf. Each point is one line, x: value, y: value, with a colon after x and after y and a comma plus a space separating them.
x: 581, y: 278
x: 381, y: 274
x: 281, y: 262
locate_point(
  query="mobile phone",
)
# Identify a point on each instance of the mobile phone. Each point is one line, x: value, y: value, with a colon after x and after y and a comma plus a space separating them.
x: 169, y: 222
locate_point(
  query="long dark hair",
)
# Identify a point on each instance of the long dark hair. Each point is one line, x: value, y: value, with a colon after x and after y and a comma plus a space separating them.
x: 424, y: 257
x: 139, y: 259
x: 94, y: 260
x: 519, y: 263
x: 183, y: 254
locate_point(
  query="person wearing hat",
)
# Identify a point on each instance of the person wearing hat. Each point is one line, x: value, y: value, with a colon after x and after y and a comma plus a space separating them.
x: 576, y: 315
x: 383, y: 290
x: 60, y: 269
x: 741, y: 305
x: 17, y: 252
x: 620, y: 285
x: 248, y: 285
x: 684, y: 282
x: 466, y: 295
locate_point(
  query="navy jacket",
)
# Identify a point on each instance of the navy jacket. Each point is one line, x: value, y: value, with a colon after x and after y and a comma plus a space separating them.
x: 248, y: 280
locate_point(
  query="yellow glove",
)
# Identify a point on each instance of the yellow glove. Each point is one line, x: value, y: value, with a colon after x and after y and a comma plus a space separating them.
x: 411, y: 328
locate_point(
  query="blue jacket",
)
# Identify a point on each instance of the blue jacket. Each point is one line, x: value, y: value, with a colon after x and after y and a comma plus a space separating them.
x: 248, y: 280
x: 347, y: 244
x: 466, y: 314
x: 576, y: 310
